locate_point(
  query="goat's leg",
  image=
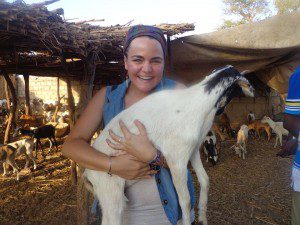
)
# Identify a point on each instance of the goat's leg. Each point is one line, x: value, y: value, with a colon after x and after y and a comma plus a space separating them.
x: 280, y: 139
x: 243, y: 152
x: 36, y: 147
x: 112, y: 202
x: 204, y: 186
x: 43, y: 154
x: 245, y: 147
x: 268, y: 133
x: 30, y: 155
x: 179, y: 176
x: 27, y: 161
x: 276, y: 140
x: 50, y: 145
x: 55, y: 143
x: 13, y: 164
x: 258, y: 133
x: 4, y: 169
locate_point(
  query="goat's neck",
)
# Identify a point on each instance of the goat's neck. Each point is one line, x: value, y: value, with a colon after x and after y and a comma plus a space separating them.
x: 271, y: 123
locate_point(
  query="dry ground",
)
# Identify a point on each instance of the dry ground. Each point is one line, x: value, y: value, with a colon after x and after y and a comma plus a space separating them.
x: 251, y: 191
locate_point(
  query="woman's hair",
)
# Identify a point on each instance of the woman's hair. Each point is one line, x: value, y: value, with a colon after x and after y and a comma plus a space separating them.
x: 144, y: 30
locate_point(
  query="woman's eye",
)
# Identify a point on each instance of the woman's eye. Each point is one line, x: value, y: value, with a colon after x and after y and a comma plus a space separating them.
x: 156, y: 62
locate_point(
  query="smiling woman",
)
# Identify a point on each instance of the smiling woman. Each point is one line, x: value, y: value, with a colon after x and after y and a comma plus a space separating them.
x: 144, y: 60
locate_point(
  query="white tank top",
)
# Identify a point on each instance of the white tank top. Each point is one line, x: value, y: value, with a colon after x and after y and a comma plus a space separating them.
x: 143, y: 206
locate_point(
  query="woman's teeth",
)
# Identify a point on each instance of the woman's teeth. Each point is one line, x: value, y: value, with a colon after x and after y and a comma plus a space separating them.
x: 145, y: 78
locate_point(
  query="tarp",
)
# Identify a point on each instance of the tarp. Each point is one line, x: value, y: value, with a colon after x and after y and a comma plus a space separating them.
x: 269, y: 48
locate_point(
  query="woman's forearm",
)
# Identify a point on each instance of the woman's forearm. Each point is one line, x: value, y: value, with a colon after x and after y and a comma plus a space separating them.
x: 82, y: 153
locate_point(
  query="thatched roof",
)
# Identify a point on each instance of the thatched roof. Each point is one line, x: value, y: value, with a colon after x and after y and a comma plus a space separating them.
x: 34, y: 40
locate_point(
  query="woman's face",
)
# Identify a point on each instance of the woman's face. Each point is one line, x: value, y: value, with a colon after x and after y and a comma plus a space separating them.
x: 145, y: 63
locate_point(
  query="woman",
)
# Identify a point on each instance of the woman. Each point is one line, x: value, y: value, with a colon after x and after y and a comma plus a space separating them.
x: 144, y: 58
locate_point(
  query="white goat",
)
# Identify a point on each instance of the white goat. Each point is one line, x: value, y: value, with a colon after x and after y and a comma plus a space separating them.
x: 241, y: 144
x: 277, y: 127
x: 11, y: 150
x: 192, y: 110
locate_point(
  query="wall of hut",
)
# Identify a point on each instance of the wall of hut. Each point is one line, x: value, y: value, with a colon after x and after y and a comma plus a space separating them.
x: 271, y: 105
x: 46, y: 88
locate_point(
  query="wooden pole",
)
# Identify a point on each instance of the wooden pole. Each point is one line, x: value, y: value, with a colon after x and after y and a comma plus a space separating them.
x: 169, y: 55
x: 71, y: 102
x: 7, y: 96
x: 27, y: 97
x: 83, y: 194
x: 12, y: 108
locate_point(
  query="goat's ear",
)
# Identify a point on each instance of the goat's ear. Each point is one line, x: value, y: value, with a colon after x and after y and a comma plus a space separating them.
x: 245, y: 72
x: 247, y: 89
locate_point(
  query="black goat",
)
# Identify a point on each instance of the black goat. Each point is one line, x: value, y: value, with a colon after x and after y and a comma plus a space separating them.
x: 46, y: 131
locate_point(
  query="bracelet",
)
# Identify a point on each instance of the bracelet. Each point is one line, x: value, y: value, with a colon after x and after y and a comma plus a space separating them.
x: 157, y: 158
x: 109, y: 166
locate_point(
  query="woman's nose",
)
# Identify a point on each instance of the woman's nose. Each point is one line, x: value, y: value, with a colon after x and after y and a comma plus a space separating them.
x: 147, y: 67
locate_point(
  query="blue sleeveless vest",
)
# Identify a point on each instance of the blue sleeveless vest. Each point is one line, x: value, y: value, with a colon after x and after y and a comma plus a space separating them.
x: 114, y: 104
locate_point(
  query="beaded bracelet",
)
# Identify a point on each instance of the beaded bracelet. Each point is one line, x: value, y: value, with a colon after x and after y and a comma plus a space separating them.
x: 157, y: 158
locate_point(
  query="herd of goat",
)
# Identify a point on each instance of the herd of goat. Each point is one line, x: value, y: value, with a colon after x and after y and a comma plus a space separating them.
x: 28, y: 132
x: 253, y: 127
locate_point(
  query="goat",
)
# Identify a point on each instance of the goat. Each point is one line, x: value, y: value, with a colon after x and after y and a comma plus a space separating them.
x: 194, y: 117
x: 224, y: 123
x: 241, y: 143
x: 277, y: 127
x: 257, y: 125
x: 210, y: 149
x: 250, y: 117
x: 46, y: 131
x: 30, y: 120
x: 216, y: 128
x: 8, y: 153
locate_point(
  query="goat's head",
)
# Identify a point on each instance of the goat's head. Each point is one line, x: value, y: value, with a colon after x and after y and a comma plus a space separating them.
x: 17, y: 132
x: 265, y: 119
x: 228, y: 83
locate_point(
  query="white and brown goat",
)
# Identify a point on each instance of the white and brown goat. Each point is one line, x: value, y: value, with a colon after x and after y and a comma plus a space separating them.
x: 9, y: 152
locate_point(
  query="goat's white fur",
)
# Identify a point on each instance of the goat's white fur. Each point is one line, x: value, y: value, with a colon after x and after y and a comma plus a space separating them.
x: 162, y: 113
x: 277, y: 127
x: 241, y: 144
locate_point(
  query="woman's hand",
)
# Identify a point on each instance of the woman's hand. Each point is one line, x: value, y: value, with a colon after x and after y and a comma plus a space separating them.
x: 137, y: 145
x: 130, y: 168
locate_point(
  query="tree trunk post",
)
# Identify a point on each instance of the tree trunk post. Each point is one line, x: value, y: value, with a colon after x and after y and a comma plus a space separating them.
x: 83, y: 194
x: 12, y: 109
x: 27, y: 97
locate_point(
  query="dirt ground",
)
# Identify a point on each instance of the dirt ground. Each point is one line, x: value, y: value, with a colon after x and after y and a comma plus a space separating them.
x: 251, y: 191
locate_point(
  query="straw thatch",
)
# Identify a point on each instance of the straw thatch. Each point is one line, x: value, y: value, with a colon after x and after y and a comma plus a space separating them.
x: 36, y: 41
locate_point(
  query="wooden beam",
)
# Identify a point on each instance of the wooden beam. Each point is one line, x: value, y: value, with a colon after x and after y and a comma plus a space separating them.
x: 71, y: 108
x: 169, y: 55
x: 83, y: 194
x: 27, y: 96
x: 13, y: 107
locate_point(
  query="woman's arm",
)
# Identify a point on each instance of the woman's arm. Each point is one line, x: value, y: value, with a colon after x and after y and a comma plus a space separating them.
x: 77, y: 147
